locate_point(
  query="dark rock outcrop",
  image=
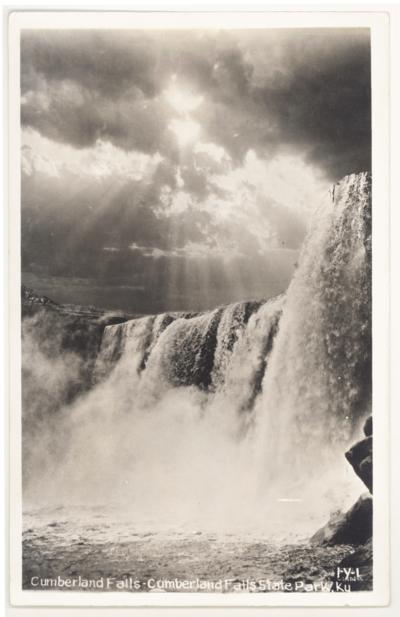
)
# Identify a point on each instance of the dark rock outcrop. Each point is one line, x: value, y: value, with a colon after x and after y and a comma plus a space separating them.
x: 355, y: 525
x: 360, y: 456
x: 368, y: 427
x: 352, y: 527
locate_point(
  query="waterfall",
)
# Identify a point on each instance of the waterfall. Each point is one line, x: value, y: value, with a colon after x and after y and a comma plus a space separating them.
x: 257, y: 397
x: 221, y: 351
x: 318, y: 383
x: 319, y: 366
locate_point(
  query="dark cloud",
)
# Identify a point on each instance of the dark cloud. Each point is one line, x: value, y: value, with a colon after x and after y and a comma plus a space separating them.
x: 107, y: 64
x: 263, y: 90
x: 82, y: 120
x: 306, y: 90
x: 131, y: 243
x: 322, y: 103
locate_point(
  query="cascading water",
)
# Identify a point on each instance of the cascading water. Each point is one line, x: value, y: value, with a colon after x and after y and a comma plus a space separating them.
x: 318, y: 384
x: 205, y: 412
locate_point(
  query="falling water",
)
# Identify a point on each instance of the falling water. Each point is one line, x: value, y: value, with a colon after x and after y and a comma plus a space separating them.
x: 194, y: 407
x: 318, y: 383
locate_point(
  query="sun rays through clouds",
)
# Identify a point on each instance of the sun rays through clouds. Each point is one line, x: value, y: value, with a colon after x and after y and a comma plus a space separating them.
x: 180, y: 172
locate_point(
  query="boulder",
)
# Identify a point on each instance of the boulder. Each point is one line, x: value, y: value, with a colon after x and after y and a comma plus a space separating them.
x: 368, y: 427
x: 355, y: 525
x: 352, y: 527
x: 360, y: 458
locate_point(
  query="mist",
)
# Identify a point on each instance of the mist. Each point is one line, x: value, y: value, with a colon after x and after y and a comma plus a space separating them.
x: 238, y: 416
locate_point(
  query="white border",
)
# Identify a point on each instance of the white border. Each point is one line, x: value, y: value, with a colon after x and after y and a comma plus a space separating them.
x: 378, y: 22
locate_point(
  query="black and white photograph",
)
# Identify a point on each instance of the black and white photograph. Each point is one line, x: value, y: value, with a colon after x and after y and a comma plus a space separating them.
x: 196, y: 319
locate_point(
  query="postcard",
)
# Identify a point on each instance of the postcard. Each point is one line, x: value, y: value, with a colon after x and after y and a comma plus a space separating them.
x: 198, y: 322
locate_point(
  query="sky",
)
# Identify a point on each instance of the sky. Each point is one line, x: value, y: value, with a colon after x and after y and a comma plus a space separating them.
x: 179, y: 170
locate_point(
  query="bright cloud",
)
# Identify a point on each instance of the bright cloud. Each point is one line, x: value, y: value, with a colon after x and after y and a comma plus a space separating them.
x: 102, y: 160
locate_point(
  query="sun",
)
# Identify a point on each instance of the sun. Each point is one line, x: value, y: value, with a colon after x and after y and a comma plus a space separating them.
x: 181, y: 96
x: 186, y: 131
x: 182, y: 100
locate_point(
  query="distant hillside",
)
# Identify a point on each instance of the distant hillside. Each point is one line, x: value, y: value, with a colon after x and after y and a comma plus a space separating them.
x: 32, y: 302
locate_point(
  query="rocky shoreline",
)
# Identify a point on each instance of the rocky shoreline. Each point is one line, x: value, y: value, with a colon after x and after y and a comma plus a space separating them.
x: 355, y: 526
